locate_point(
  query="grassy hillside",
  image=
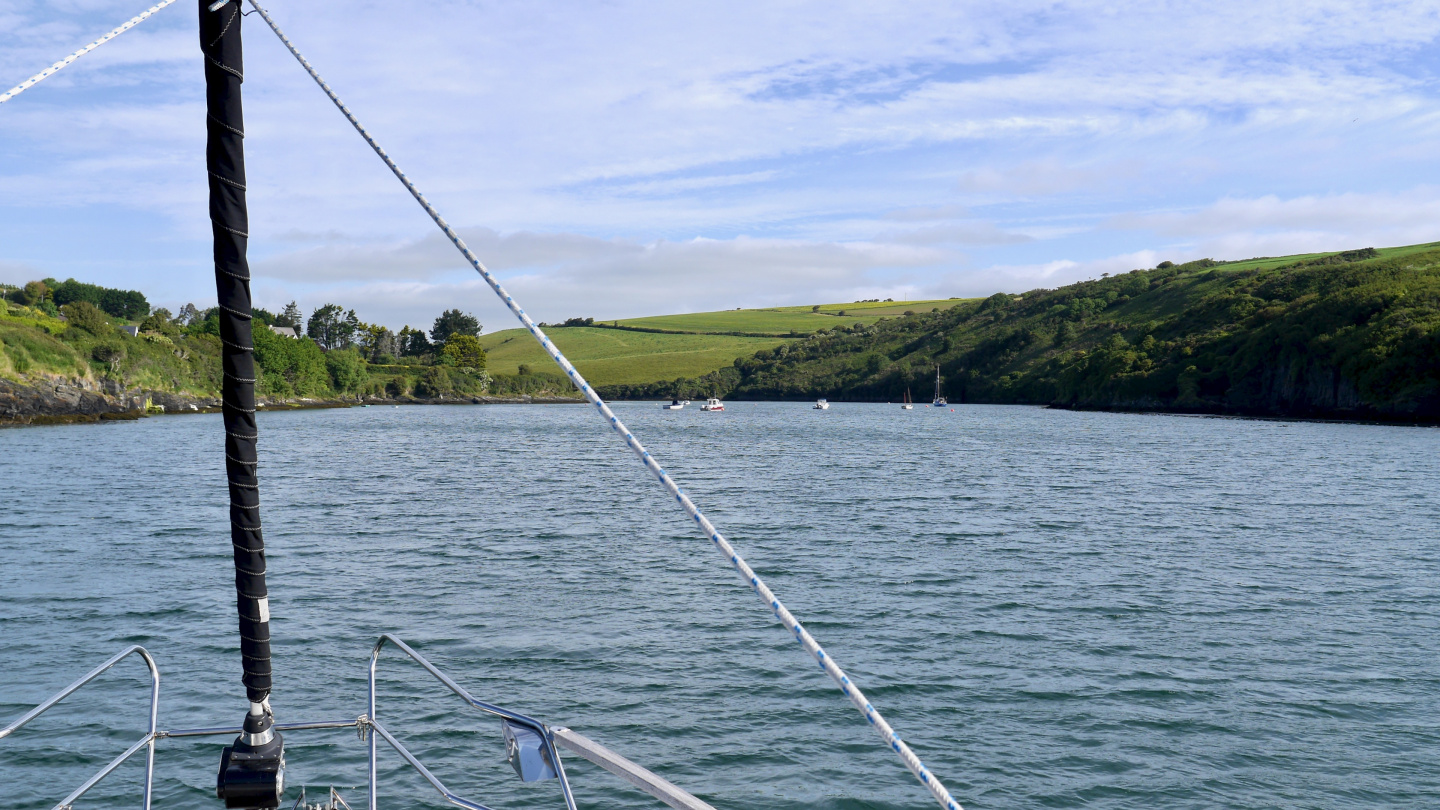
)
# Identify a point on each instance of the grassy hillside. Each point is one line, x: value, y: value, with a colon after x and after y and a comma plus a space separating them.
x: 1353, y: 334
x: 35, y: 345
x: 688, y: 345
x: 87, y: 349
x: 786, y: 320
x: 1340, y: 334
x: 618, y: 357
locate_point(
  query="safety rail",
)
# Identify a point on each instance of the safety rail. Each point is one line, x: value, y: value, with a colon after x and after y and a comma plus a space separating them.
x: 370, y: 728
x: 489, y: 708
x: 147, y: 742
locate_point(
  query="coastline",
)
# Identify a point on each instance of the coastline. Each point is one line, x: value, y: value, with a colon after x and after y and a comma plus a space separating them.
x: 70, y: 401
x: 82, y: 401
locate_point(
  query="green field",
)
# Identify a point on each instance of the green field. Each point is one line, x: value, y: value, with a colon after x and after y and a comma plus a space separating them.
x: 784, y: 320
x: 1268, y: 263
x: 618, y: 357
x: 622, y: 357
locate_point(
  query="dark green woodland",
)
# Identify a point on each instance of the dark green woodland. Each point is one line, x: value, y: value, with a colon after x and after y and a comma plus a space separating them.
x: 1348, y: 335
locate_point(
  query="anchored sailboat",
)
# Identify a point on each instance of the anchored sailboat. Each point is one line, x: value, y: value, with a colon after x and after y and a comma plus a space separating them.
x: 939, y: 401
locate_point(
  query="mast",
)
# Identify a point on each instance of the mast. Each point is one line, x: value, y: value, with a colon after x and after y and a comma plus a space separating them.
x: 251, y: 771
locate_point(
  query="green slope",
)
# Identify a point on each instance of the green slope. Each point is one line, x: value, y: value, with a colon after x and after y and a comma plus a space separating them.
x: 682, y: 346
x: 620, y: 357
x: 1353, y: 335
x: 785, y: 320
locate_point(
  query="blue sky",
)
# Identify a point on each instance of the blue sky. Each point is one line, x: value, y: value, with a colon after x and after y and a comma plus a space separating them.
x: 631, y: 158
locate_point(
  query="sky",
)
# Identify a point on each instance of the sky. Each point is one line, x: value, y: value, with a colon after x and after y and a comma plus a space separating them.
x: 622, y: 159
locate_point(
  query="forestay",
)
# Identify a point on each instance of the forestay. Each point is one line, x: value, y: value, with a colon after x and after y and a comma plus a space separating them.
x: 772, y: 602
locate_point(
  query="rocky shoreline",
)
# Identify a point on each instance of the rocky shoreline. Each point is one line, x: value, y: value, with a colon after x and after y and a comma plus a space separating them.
x: 72, y: 401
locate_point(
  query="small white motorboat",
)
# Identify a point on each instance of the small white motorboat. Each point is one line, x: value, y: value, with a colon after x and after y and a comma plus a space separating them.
x: 822, y: 405
x: 713, y: 404
x: 673, y: 405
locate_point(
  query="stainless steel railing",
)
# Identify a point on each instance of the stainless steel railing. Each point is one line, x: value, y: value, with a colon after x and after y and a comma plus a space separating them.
x: 489, y: 708
x: 370, y: 729
x: 147, y: 742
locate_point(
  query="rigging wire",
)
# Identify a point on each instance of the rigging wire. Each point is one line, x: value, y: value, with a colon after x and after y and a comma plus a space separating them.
x: 50, y: 71
x: 802, y: 636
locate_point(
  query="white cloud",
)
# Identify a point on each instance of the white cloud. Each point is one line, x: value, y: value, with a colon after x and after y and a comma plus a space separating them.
x: 563, y: 275
x: 928, y: 213
x: 963, y: 233
x: 1021, y: 277
x: 1269, y: 225
x: 1038, y: 178
x: 818, y: 149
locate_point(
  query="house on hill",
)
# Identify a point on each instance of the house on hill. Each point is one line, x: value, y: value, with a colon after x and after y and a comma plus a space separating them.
x: 132, y: 331
x: 284, y: 331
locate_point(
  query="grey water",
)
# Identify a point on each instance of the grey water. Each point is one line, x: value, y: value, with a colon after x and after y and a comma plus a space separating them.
x: 1055, y: 609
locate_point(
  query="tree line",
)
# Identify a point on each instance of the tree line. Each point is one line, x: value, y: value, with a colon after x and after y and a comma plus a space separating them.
x: 1354, y: 335
x: 49, y: 295
x: 336, y: 352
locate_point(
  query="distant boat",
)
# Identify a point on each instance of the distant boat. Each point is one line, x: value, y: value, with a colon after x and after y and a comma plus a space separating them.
x: 674, y: 405
x: 908, y: 406
x: 821, y: 405
x: 713, y: 404
x: 939, y: 400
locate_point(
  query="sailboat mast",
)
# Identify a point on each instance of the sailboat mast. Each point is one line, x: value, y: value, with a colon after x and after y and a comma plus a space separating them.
x: 254, y: 776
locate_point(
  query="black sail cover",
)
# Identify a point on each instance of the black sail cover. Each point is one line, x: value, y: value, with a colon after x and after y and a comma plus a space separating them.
x: 225, y: 160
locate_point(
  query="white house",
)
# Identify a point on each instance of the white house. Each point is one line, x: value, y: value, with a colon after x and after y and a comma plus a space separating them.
x: 284, y: 331
x: 132, y: 331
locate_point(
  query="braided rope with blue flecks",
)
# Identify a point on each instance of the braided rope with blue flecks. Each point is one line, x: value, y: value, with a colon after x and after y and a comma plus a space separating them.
x: 53, y: 69
x: 756, y: 584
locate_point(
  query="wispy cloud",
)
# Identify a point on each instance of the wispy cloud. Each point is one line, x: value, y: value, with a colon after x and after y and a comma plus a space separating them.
x: 565, y: 274
x: 626, y: 158
x: 1268, y: 225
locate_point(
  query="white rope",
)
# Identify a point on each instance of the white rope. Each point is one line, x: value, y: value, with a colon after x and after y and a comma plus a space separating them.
x: 47, y: 72
x: 892, y: 740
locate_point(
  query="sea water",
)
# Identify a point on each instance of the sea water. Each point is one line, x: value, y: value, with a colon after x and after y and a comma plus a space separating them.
x: 1054, y: 609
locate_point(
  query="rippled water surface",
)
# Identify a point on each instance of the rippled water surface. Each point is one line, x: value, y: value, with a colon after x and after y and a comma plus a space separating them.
x: 1055, y: 609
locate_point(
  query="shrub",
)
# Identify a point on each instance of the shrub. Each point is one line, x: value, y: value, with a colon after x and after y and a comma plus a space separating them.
x: 160, y: 324
x: 109, y: 353
x: 466, y: 351
x: 435, y: 382
x: 347, y: 369
x: 85, y: 315
x: 33, y: 293
x: 290, y: 367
